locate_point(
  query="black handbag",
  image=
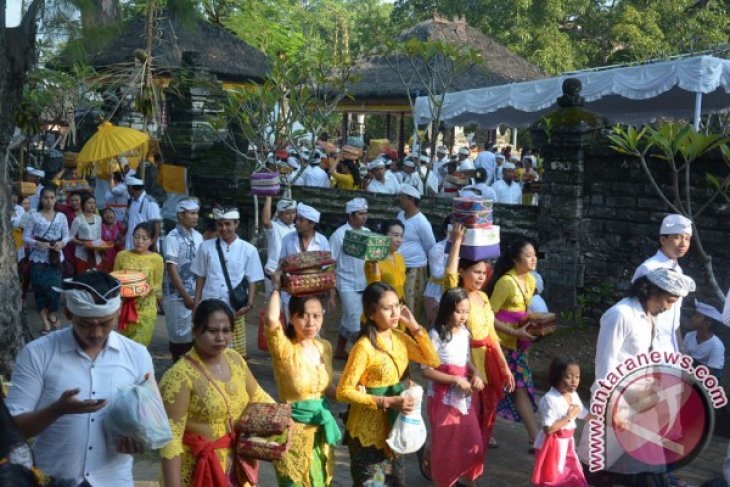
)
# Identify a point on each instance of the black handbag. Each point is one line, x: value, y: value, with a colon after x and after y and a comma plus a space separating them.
x: 238, y: 296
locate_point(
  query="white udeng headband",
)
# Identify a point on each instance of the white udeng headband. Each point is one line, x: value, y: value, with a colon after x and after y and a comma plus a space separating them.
x: 228, y: 215
x: 81, y: 303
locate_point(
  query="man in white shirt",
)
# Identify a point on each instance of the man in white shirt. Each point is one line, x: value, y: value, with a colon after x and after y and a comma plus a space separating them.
x: 306, y: 238
x: 64, y: 383
x: 180, y: 247
x: 316, y: 177
x: 417, y: 241
x: 378, y: 183
x: 432, y: 182
x: 486, y: 160
x: 507, y: 189
x: 241, y: 260
x: 411, y: 176
x: 499, y: 160
x: 350, y: 275
x: 33, y: 175
x: 117, y: 197
x: 142, y: 208
x: 675, y: 237
x: 439, y: 167
x: 701, y: 343
x: 276, y: 230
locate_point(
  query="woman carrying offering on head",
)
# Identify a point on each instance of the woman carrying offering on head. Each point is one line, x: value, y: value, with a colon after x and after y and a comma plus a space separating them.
x: 303, y: 372
x: 486, y: 355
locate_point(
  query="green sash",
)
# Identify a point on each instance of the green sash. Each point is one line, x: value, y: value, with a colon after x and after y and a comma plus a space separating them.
x: 317, y: 411
x: 388, y: 391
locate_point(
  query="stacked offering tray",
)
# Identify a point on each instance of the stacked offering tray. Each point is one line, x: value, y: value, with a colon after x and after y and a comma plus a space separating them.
x: 367, y: 246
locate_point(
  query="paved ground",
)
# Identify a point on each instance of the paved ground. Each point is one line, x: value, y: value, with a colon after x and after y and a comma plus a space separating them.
x: 510, y: 465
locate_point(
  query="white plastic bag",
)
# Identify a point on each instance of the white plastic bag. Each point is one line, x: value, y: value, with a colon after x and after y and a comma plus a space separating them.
x: 409, y: 431
x: 137, y: 412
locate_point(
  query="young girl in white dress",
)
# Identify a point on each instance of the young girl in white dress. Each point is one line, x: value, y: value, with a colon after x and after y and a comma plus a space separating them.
x: 457, y: 446
x: 556, y: 463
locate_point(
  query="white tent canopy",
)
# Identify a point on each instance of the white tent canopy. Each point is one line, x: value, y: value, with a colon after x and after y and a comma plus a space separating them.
x: 634, y: 95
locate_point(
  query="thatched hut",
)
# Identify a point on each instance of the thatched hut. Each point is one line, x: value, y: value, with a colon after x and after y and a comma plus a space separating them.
x: 378, y: 88
x: 224, y: 55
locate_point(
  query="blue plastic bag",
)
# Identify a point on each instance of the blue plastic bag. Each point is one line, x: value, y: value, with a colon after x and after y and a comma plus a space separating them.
x: 138, y: 413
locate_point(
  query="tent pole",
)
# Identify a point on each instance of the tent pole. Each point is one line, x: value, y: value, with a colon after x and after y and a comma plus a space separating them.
x: 514, y: 137
x: 698, y: 111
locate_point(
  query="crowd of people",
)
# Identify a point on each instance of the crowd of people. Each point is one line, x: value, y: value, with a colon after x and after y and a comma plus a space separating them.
x: 465, y: 322
x: 491, y: 174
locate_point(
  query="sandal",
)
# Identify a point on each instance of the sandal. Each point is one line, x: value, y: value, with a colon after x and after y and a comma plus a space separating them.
x: 424, y: 464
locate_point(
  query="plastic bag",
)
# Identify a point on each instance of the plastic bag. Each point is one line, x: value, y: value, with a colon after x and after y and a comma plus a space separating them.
x: 137, y: 412
x: 409, y: 431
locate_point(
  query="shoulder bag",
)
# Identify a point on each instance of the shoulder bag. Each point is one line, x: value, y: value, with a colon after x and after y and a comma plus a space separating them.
x: 238, y: 296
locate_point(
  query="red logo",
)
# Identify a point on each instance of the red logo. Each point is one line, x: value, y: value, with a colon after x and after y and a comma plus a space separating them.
x: 661, y: 416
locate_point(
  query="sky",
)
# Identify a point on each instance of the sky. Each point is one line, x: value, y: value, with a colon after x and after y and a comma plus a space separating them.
x: 12, y: 13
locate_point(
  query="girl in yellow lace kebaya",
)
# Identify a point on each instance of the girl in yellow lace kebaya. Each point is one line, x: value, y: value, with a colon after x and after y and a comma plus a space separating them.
x: 392, y: 270
x: 511, y: 289
x: 303, y: 373
x: 143, y: 260
x: 376, y: 364
x: 204, y: 393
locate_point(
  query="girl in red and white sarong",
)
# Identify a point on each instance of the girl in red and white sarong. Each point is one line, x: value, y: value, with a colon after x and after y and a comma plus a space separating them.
x: 556, y: 463
x: 457, y: 446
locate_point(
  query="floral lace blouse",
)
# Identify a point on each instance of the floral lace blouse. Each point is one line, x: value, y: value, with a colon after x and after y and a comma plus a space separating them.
x: 370, y: 367
x: 193, y: 404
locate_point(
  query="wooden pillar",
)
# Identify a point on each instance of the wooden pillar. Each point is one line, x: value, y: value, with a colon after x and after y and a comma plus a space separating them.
x: 401, y: 135
x: 345, y: 117
x: 387, y: 125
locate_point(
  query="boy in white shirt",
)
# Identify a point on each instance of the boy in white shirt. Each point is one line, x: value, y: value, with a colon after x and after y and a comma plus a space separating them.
x: 702, y: 344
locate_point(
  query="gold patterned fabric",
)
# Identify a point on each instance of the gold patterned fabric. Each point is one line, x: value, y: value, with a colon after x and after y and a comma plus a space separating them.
x: 194, y: 405
x: 480, y: 323
x: 297, y: 379
x: 370, y: 367
x: 152, y: 265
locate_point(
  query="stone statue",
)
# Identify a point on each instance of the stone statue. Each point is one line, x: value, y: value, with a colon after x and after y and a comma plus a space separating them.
x: 571, y: 94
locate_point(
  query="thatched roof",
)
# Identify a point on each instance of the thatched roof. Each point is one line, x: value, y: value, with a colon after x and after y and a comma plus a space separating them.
x: 224, y: 54
x: 376, y: 77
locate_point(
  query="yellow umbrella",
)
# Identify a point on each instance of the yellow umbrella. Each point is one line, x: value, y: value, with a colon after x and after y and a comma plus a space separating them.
x: 109, y: 141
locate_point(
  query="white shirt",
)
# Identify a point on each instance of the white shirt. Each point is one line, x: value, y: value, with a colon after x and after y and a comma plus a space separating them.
x: 440, y: 169
x: 40, y: 228
x: 554, y: 407
x: 316, y: 177
x: 710, y: 352
x: 625, y: 331
x: 83, y: 230
x: 510, y: 194
x: 74, y: 446
x: 726, y: 310
x: 488, y: 162
x: 274, y: 236
x: 432, y: 180
x: 488, y: 192
x: 436, y: 267
x: 668, y: 322
x: 241, y: 258
x: 350, y: 275
x: 453, y: 352
x: 375, y: 186
x: 180, y: 248
x: 417, y: 239
x: 142, y: 209
x: 17, y: 215
x: 117, y: 199
x: 290, y: 244
x: 537, y: 305
x: 36, y: 198
x: 394, y: 178
x: 414, y: 180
